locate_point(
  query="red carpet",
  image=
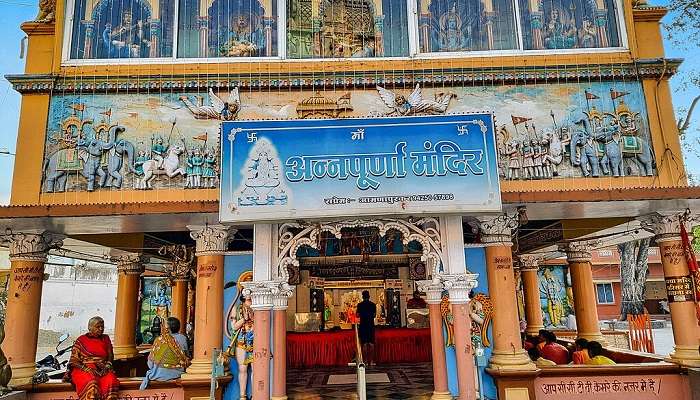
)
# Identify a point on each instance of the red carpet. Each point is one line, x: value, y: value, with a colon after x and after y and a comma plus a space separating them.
x: 327, y: 349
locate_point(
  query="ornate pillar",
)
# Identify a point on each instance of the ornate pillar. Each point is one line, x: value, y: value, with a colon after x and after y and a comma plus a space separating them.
x: 434, y: 288
x: 28, y: 254
x: 379, y: 35
x: 529, y: 265
x: 203, y: 27
x: 261, y: 295
x: 154, y: 49
x: 536, y: 23
x: 129, y: 270
x: 578, y: 255
x: 490, y: 17
x: 424, y: 26
x: 508, y: 352
x: 686, y: 332
x: 180, y: 272
x: 279, y: 348
x: 89, y: 37
x: 268, y: 28
x: 601, y: 23
x: 211, y: 243
x: 459, y: 287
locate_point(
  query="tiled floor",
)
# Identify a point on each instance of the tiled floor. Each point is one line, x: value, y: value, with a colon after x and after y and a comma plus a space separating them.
x: 407, y: 382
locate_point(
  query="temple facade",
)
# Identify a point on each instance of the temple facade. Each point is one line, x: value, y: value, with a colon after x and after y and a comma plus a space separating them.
x: 216, y: 151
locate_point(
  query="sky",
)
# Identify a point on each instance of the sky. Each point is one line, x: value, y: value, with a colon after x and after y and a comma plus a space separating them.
x: 14, y: 12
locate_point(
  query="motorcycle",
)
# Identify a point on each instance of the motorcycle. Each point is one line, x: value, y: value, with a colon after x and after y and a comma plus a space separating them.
x: 50, y: 367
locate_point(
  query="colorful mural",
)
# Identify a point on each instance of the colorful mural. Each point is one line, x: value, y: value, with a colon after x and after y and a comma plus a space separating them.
x: 156, y: 298
x: 555, y: 296
x: 171, y: 140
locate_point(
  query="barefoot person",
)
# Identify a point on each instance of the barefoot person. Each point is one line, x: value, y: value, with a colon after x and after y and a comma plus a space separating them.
x: 367, y: 311
x: 90, y: 365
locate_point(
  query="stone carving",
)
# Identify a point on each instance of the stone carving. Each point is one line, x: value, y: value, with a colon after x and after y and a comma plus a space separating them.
x: 211, y: 239
x: 182, y: 258
x: 47, y: 11
x: 31, y: 246
x: 578, y: 251
x: 415, y: 104
x: 498, y: 230
x: 130, y: 264
x: 225, y: 109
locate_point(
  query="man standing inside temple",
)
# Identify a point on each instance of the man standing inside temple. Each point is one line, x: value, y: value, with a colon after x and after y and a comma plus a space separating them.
x: 367, y: 311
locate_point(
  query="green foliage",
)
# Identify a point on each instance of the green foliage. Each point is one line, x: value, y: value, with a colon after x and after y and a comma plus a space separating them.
x: 696, y: 239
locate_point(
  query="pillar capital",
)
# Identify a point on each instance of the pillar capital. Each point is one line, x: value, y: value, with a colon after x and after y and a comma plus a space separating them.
x: 578, y: 251
x: 31, y: 246
x: 433, y: 288
x: 498, y: 230
x: 130, y: 264
x: 211, y: 239
x: 666, y: 227
x: 181, y: 261
x: 528, y: 262
x: 266, y: 295
x: 459, y: 286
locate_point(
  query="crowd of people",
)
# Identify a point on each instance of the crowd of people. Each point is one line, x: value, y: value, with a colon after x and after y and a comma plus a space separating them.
x: 545, y: 351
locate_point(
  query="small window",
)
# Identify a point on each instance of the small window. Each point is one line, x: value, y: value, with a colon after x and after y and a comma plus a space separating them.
x: 605, y: 293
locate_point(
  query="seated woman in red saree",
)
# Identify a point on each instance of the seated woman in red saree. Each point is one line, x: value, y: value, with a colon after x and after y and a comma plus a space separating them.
x: 90, y: 365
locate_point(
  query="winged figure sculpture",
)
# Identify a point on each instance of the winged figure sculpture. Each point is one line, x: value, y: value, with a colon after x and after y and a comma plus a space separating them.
x: 415, y: 103
x: 219, y: 108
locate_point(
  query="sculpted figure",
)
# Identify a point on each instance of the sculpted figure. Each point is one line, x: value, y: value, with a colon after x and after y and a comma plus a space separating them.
x: 47, y: 11
x: 415, y: 103
x: 225, y: 109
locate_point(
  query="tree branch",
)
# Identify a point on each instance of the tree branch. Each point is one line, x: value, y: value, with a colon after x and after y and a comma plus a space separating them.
x: 684, y: 123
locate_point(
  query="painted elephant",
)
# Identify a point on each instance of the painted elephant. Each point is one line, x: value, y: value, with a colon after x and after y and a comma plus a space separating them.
x: 611, y: 163
x: 121, y: 149
x: 582, y: 150
x: 57, y: 166
x: 92, y: 166
x: 643, y: 154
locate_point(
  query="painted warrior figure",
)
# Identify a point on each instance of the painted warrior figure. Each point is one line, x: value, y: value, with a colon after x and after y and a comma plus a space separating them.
x: 513, y: 153
x: 209, y: 169
x: 194, y: 165
x: 218, y: 108
x: 127, y: 40
x: 139, y: 161
x: 528, y: 160
x: 587, y: 35
x: 158, y: 150
x: 415, y: 104
x: 537, y: 154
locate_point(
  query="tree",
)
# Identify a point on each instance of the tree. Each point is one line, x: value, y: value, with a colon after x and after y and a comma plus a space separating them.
x: 634, y: 268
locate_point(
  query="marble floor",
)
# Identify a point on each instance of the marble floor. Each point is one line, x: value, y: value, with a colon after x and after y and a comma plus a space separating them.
x: 406, y: 382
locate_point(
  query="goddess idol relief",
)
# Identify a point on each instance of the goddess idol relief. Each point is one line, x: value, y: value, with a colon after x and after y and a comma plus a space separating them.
x: 130, y: 39
x: 454, y: 34
x: 261, y: 184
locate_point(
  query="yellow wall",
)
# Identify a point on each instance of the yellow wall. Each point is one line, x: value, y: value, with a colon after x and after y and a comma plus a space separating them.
x: 44, y: 57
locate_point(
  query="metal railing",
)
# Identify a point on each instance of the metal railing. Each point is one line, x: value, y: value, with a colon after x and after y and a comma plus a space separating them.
x: 361, y: 378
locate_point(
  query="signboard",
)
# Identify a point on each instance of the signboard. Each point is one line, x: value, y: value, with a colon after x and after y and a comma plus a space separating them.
x: 679, y: 288
x: 291, y: 169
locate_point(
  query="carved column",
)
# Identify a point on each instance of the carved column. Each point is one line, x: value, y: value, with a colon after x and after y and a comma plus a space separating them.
x: 536, y: 23
x: 155, y: 30
x: 601, y: 22
x: 424, y: 29
x: 578, y: 255
x: 89, y: 26
x: 686, y: 333
x: 211, y: 244
x: 529, y: 265
x: 490, y: 18
x: 434, y: 288
x: 459, y: 287
x: 279, y: 334
x: 129, y: 270
x: 28, y: 254
x: 268, y: 29
x: 261, y: 295
x: 203, y: 26
x: 508, y: 351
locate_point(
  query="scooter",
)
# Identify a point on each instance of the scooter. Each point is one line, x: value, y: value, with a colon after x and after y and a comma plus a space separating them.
x: 50, y: 367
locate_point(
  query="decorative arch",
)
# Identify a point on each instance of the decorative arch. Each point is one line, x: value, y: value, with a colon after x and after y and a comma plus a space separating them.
x: 292, y: 236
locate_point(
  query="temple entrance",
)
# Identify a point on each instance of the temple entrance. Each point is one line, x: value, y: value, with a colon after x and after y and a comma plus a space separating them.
x: 331, y: 275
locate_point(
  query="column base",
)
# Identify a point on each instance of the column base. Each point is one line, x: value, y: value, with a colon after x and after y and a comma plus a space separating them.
x: 513, y: 361
x: 593, y: 337
x: 533, y: 330
x: 22, y: 374
x: 688, y: 356
x: 199, y: 369
x: 441, y: 396
x: 278, y: 398
x: 122, y: 352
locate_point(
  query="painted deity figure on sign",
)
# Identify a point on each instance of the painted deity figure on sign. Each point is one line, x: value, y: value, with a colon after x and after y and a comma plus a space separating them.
x: 127, y: 40
x: 558, y: 33
x: 587, y: 35
x: 162, y: 301
x: 551, y: 286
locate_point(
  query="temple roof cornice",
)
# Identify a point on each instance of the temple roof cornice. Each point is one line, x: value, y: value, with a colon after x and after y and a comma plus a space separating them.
x: 452, y: 75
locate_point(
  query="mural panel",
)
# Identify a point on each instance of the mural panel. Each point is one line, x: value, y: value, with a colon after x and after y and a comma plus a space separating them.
x: 171, y: 140
x: 156, y: 299
x: 556, y: 297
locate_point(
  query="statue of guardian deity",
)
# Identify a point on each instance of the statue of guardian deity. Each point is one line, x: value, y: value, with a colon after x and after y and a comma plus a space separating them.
x: 454, y: 34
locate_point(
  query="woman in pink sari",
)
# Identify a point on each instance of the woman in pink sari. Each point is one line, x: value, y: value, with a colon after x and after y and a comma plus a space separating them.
x: 90, y: 365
